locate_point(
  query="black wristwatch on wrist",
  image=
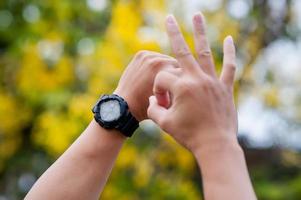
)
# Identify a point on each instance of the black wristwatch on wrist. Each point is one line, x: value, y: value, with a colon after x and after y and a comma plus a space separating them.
x: 112, y: 112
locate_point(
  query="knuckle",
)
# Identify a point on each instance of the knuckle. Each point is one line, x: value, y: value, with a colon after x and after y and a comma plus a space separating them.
x: 156, y: 63
x: 140, y: 54
x: 150, y: 63
x: 174, y: 70
x: 231, y: 66
x: 170, y: 60
x: 147, y: 58
x: 182, y: 52
x: 204, y: 53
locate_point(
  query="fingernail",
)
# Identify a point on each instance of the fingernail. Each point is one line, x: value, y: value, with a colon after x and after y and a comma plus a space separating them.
x: 229, y: 39
x: 197, y: 18
x: 170, y: 19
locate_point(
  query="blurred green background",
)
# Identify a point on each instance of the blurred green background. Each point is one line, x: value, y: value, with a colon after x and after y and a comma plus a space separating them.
x: 57, y: 57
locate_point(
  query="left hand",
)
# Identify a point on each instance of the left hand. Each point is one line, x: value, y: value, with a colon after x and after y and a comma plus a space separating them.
x: 136, y: 83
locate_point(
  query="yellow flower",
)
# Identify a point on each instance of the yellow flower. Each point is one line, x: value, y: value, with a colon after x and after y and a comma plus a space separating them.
x: 37, y: 75
x: 55, y: 131
x: 143, y: 171
x: 80, y: 107
x: 127, y: 157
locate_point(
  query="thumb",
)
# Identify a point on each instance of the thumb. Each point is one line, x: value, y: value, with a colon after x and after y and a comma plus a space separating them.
x: 156, y: 112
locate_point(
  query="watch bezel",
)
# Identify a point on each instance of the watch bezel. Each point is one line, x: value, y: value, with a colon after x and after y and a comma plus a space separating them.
x: 123, y: 111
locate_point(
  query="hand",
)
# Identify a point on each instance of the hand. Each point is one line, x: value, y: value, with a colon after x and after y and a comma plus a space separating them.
x: 195, y: 106
x: 136, y: 83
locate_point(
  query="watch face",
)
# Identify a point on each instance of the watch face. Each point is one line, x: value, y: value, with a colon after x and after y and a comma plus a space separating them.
x: 110, y: 110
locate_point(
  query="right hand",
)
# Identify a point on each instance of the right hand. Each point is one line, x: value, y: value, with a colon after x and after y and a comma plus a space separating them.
x: 201, y: 109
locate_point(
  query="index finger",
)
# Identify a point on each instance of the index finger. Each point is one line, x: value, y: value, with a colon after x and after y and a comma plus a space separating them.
x: 179, y: 46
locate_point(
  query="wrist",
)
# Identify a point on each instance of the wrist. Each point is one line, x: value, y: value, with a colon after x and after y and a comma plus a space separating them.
x: 131, y: 103
x: 223, y: 168
x: 215, y: 146
x: 100, y: 139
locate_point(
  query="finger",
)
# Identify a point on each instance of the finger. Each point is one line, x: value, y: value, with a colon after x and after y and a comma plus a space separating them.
x: 144, y: 56
x: 179, y: 46
x: 163, y: 99
x: 163, y: 87
x: 202, y: 46
x: 162, y: 62
x: 229, y: 64
x: 161, y: 55
x: 164, y: 82
x: 156, y: 112
x: 174, y: 70
x: 144, y: 53
x: 154, y: 59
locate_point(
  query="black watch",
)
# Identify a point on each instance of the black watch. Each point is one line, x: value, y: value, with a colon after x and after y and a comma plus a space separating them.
x: 112, y: 112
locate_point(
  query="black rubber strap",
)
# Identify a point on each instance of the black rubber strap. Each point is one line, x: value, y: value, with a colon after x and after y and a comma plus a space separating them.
x: 129, y: 126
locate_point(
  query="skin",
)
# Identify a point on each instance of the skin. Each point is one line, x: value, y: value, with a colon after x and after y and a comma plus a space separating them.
x: 196, y: 108
x: 82, y: 171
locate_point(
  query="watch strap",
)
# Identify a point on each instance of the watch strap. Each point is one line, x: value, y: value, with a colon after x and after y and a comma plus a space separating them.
x: 129, y: 126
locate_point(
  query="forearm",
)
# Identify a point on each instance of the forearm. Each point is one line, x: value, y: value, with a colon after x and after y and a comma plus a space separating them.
x: 82, y: 171
x: 224, y: 172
